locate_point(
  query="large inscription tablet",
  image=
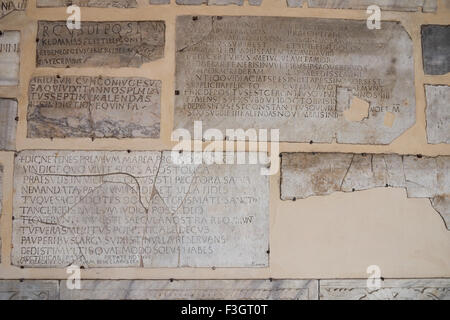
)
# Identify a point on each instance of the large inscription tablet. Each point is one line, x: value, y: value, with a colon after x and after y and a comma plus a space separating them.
x: 137, y: 209
x: 9, y: 58
x: 93, y: 107
x: 97, y: 44
x: 304, y: 76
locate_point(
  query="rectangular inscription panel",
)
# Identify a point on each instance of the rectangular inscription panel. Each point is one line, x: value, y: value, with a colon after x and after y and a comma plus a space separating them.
x: 120, y: 209
x: 97, y: 44
x: 93, y: 107
x: 436, y: 49
x: 87, y: 3
x: 194, y: 290
x: 306, y: 77
x: 8, y: 124
x: 9, y: 58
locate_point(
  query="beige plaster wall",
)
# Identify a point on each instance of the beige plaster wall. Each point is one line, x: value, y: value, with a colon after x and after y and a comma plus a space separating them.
x: 336, y: 236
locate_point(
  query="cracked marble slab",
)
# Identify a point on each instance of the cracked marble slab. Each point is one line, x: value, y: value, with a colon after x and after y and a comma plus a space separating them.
x: 100, y: 44
x: 29, y: 290
x: 87, y: 3
x: 8, y: 123
x: 8, y: 6
x: 436, y: 49
x: 194, y: 290
x: 299, y: 75
x: 137, y: 209
x: 100, y: 107
x: 9, y: 58
x: 438, y: 113
x: 394, y: 5
x: 317, y: 174
x: 391, y: 289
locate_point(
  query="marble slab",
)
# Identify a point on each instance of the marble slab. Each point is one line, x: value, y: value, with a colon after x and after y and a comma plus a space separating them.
x: 98, y: 107
x: 303, y: 76
x: 9, y: 58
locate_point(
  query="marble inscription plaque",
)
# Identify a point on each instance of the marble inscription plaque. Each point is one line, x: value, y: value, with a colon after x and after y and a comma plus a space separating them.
x: 436, y: 49
x: 413, y: 289
x: 307, y: 174
x: 298, y: 75
x: 9, y: 58
x: 438, y: 113
x: 98, y: 44
x: 8, y: 114
x: 8, y: 6
x: 87, y: 3
x: 137, y: 209
x: 93, y: 107
x: 394, y: 5
x: 194, y: 290
x: 29, y: 290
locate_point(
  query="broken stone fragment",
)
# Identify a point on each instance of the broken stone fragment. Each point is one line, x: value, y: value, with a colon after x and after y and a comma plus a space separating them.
x: 391, y: 289
x: 210, y: 2
x: 436, y: 49
x: 9, y: 58
x: 8, y: 123
x: 394, y: 5
x: 8, y: 6
x: 194, y: 290
x: 295, y: 3
x: 105, y: 44
x: 100, y: 107
x: 87, y: 3
x: 159, y: 1
x: 306, y: 174
x: 313, y: 79
x: 438, y: 114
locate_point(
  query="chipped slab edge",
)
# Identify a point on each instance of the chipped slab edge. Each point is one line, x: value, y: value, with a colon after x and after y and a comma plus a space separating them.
x: 412, y: 191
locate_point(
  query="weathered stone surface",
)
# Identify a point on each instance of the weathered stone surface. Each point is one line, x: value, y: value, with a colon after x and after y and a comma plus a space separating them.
x: 210, y: 2
x: 159, y: 1
x: 307, y: 174
x: 420, y: 289
x: 8, y: 6
x: 97, y: 44
x: 438, y: 113
x: 9, y: 58
x: 8, y: 114
x: 114, y: 209
x: 93, y: 107
x: 294, y: 74
x: 193, y: 290
x: 295, y: 3
x: 87, y: 3
x: 395, y: 5
x: 29, y: 290
x: 436, y: 49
